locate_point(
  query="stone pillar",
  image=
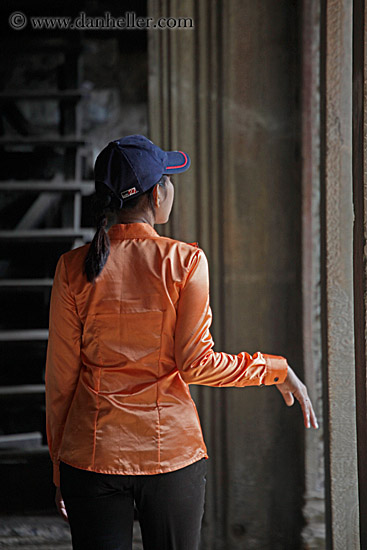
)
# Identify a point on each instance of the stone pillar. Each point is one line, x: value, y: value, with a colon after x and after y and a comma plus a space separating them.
x: 337, y: 313
x: 360, y: 249
x: 314, y: 535
x: 228, y: 93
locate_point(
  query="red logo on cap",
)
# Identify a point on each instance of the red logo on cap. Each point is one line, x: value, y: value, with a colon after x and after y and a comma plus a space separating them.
x: 129, y: 192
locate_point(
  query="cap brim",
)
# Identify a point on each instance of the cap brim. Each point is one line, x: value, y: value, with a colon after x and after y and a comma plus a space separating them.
x: 177, y: 161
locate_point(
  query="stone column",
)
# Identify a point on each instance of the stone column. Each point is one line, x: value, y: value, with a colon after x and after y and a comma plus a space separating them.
x: 337, y: 313
x: 314, y: 532
x: 228, y: 93
x: 360, y: 249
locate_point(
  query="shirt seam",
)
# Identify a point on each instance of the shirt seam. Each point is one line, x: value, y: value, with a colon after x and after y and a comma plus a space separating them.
x: 152, y: 237
x: 67, y: 278
x: 96, y: 418
x: 157, y: 398
x: 72, y: 294
x: 190, y: 270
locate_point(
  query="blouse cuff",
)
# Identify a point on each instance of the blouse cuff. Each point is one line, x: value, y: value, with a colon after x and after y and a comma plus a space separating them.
x: 276, y: 369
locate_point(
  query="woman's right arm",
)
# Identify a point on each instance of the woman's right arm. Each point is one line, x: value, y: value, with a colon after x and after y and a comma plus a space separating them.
x: 198, y: 363
x: 195, y: 358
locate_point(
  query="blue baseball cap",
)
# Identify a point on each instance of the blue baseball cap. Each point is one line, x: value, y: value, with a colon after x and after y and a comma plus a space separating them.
x: 133, y: 164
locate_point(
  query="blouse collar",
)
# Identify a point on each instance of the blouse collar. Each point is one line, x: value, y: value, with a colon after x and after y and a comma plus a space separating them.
x: 137, y: 230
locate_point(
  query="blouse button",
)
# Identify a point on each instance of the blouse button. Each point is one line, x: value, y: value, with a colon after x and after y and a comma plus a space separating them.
x: 276, y: 379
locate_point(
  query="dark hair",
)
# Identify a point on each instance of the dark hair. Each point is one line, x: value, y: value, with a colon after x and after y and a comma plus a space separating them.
x: 104, y: 201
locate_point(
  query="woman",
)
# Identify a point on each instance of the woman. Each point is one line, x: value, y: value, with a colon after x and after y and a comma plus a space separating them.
x: 129, y: 331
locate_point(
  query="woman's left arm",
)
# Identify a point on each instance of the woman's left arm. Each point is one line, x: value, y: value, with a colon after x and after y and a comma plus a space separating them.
x: 63, y: 361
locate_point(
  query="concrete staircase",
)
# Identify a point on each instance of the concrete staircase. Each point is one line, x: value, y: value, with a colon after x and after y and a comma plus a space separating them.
x: 40, y: 219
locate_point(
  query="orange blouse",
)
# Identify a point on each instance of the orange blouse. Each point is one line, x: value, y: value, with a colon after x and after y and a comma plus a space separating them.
x: 122, y: 352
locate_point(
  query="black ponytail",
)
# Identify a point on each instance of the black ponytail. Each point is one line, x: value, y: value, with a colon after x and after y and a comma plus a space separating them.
x: 99, y: 248
x: 103, y: 201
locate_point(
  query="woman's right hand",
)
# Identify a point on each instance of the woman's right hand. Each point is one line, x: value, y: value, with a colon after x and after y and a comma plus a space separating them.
x: 293, y: 387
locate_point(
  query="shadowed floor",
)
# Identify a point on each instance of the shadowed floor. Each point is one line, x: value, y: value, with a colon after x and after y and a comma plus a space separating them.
x: 43, y: 533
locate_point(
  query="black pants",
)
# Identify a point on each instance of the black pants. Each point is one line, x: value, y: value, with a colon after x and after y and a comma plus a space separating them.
x: 100, y: 508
